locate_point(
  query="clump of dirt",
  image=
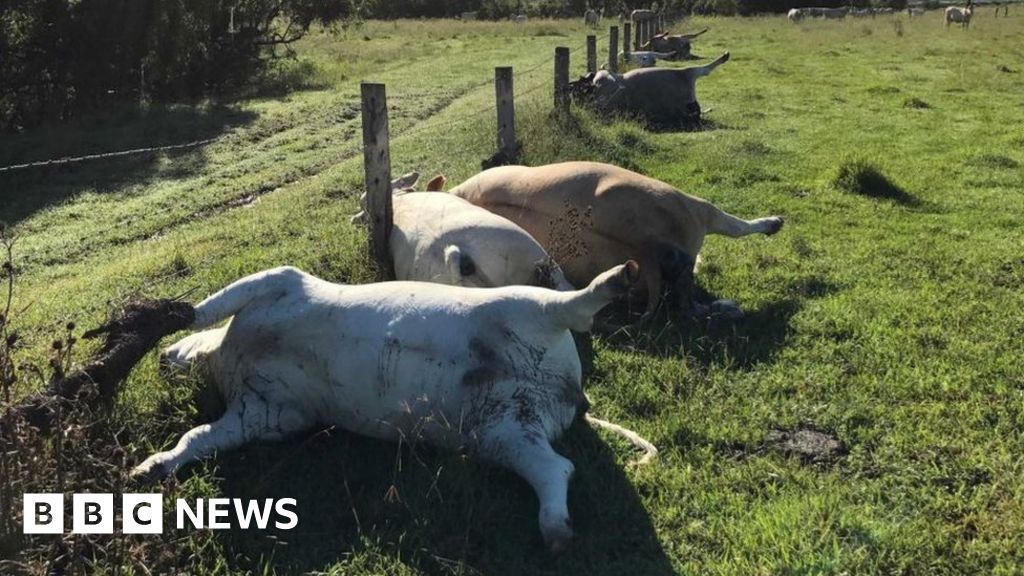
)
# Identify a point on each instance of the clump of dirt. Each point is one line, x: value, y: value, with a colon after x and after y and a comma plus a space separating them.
x: 809, y: 445
x: 916, y: 103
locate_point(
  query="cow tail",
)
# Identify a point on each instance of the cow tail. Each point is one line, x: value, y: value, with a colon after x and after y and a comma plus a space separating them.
x: 239, y: 294
x: 649, y: 450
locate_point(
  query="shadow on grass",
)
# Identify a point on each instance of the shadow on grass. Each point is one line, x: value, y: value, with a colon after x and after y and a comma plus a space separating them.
x: 126, y: 127
x: 862, y: 178
x: 744, y: 342
x: 436, y: 512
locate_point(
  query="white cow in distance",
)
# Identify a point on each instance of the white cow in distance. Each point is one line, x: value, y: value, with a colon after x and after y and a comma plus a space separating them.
x: 493, y: 372
x: 959, y: 15
x: 591, y: 17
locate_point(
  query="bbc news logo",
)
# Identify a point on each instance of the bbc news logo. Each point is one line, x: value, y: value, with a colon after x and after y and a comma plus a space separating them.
x: 143, y: 513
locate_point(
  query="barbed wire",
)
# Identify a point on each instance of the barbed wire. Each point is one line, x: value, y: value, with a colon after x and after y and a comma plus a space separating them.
x: 197, y: 143
x: 418, y: 126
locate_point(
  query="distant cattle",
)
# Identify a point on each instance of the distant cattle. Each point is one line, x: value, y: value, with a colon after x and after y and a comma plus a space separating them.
x: 795, y: 15
x: 591, y: 17
x: 637, y: 15
x: 677, y: 44
x: 646, y: 58
x: 961, y: 16
x: 466, y: 16
x: 518, y: 18
x: 911, y: 12
x: 664, y: 96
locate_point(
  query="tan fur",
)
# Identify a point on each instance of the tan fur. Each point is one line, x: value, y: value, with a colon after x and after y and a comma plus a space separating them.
x: 590, y: 216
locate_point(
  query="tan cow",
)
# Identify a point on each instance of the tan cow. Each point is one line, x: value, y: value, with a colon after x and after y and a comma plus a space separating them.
x: 589, y: 216
x: 679, y: 44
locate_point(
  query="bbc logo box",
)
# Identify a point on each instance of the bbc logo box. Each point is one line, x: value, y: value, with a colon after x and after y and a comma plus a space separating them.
x: 93, y: 513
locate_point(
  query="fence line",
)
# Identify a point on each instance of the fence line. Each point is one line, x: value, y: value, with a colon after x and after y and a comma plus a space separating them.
x: 195, y: 143
x: 345, y: 154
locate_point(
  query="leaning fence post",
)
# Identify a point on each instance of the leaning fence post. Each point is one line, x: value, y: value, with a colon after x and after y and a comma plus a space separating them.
x: 562, y: 79
x: 503, y: 95
x: 591, y: 53
x: 613, y: 49
x: 377, y: 168
x: 627, y: 31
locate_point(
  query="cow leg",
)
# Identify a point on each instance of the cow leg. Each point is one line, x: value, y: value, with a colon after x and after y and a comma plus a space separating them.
x: 527, y: 452
x: 650, y: 271
x: 246, y: 419
x: 718, y: 221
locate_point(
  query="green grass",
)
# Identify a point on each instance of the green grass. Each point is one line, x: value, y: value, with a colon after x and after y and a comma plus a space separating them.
x: 894, y: 321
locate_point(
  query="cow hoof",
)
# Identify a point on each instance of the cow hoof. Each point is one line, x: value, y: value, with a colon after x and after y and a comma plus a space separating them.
x: 560, y: 541
x: 148, y: 473
x: 774, y: 225
x: 726, y: 310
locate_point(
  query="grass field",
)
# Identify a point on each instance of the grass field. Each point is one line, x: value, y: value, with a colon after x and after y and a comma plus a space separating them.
x: 889, y: 311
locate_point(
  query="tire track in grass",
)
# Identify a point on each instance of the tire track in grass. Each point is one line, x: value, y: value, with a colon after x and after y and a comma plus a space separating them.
x: 124, y: 232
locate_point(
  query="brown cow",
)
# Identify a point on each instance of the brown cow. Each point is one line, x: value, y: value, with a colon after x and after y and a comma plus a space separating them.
x: 588, y: 216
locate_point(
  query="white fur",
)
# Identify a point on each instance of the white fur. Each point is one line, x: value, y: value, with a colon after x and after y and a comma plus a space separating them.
x: 959, y: 15
x: 492, y: 371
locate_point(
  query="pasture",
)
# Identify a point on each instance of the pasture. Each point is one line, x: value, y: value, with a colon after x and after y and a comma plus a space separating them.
x: 889, y: 312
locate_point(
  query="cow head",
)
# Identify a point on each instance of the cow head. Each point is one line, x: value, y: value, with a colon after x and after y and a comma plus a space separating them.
x: 401, y: 185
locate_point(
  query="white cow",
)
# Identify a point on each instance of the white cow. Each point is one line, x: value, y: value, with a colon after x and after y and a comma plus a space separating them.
x: 646, y: 58
x: 591, y: 17
x: 961, y: 16
x: 795, y: 15
x: 438, y: 237
x: 491, y: 371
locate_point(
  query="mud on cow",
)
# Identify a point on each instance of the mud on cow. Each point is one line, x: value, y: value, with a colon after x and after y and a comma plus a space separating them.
x: 662, y: 96
x: 493, y: 372
x: 589, y: 215
x: 442, y: 238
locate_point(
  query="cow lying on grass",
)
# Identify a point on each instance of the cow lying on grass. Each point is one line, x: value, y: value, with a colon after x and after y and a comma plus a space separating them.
x: 665, y: 96
x: 491, y: 371
x: 645, y: 59
x: 588, y: 216
x: 677, y: 44
x: 441, y: 238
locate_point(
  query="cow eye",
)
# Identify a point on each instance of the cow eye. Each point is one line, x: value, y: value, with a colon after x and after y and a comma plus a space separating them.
x: 466, y: 266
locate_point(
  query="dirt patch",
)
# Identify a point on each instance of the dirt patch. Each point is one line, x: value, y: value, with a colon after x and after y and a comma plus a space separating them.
x: 809, y: 445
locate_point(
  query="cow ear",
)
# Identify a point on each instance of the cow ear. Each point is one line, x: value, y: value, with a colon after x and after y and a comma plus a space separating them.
x: 542, y: 273
x: 459, y: 265
x: 436, y: 183
x: 406, y: 181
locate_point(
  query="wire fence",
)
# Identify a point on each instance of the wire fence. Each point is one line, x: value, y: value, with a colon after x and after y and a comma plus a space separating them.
x: 346, y: 153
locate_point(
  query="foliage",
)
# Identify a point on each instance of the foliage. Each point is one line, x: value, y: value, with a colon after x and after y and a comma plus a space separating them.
x: 60, y: 56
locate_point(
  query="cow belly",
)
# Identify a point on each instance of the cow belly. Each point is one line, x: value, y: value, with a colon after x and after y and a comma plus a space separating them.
x: 398, y: 380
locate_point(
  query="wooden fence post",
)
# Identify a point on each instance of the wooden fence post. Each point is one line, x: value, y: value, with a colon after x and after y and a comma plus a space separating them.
x: 504, y: 100
x: 591, y: 53
x: 639, y: 28
x: 627, y: 39
x: 613, y: 49
x: 377, y: 168
x: 562, y: 79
